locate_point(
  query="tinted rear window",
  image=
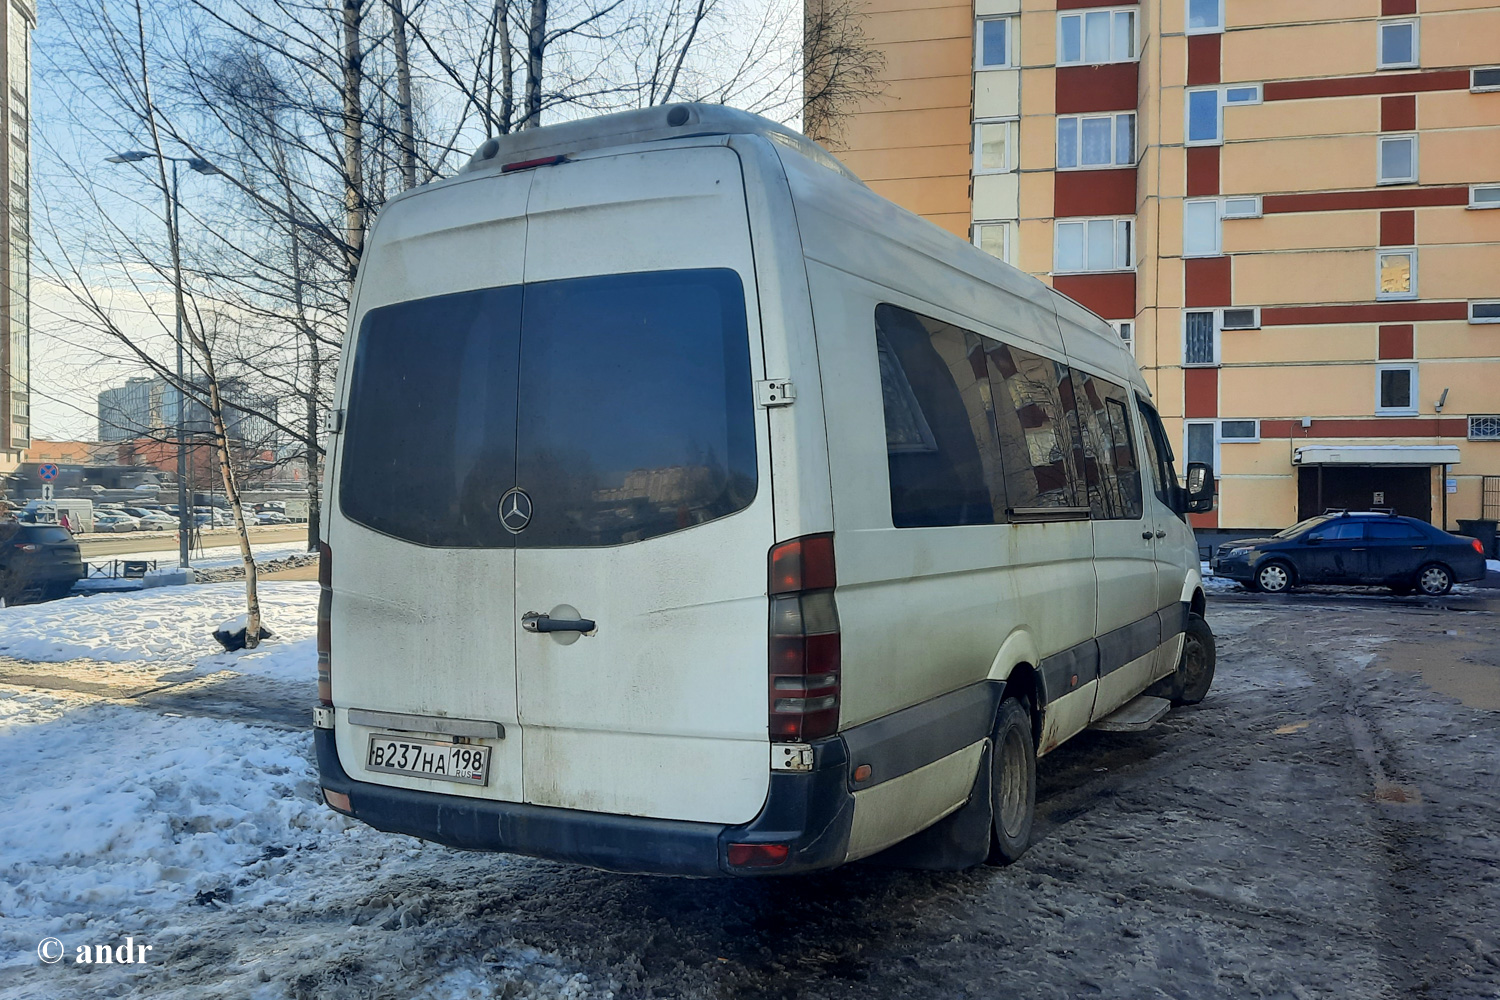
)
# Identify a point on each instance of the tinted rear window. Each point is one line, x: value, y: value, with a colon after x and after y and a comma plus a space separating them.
x: 44, y: 533
x: 634, y: 396
x: 1394, y: 530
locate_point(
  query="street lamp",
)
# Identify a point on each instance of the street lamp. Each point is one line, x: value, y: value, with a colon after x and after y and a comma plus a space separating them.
x: 184, y: 508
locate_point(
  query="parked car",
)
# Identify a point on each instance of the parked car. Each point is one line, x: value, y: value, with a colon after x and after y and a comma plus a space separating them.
x: 272, y: 517
x: 1387, y: 550
x: 37, y: 562
x: 156, y: 520
x: 658, y: 620
x: 112, y: 521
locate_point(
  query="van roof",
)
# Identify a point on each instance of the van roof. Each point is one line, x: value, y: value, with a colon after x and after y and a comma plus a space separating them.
x: 655, y: 124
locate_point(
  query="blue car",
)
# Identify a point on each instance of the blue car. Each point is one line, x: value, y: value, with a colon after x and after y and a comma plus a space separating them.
x: 1401, y: 553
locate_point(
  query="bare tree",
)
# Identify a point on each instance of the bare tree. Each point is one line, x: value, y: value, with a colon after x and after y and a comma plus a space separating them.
x: 839, y: 68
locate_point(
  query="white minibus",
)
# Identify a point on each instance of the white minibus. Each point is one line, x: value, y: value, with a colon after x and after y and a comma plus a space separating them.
x: 762, y: 525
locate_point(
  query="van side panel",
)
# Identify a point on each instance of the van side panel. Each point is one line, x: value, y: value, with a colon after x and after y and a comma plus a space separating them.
x: 799, y: 442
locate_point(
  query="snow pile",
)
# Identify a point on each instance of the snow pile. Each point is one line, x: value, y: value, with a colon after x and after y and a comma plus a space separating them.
x: 112, y: 808
x: 162, y: 625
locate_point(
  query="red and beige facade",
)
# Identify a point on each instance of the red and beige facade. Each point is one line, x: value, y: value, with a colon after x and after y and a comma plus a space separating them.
x: 1290, y: 209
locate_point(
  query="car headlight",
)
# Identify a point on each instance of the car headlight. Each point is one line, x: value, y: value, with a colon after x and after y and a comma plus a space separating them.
x: 1243, y: 550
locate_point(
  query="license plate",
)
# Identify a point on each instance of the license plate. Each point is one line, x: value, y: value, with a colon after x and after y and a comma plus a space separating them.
x: 464, y: 762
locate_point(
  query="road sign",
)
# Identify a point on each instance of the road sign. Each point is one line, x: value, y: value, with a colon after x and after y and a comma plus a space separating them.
x: 48, y: 471
x: 46, y: 491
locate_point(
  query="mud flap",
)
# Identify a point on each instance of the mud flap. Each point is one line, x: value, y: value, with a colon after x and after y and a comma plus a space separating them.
x: 955, y: 842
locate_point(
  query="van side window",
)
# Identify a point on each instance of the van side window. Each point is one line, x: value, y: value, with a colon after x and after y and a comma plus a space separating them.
x: 1037, y: 439
x: 1114, y: 478
x: 1164, y: 476
x: 939, y: 419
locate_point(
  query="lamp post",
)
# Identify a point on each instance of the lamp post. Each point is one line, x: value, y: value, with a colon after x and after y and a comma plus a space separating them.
x: 184, y: 508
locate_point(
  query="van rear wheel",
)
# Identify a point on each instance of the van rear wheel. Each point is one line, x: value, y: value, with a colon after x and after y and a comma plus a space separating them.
x: 1013, y: 788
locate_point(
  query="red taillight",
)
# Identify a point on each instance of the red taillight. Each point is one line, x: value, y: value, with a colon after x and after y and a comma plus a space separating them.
x: 804, y: 663
x: 1478, y: 545
x: 541, y: 161
x: 325, y: 628
x: 758, y: 855
x: 802, y: 564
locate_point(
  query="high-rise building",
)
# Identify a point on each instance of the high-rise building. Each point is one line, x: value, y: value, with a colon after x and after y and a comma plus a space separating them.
x: 1290, y: 210
x: 147, y: 407
x: 15, y: 244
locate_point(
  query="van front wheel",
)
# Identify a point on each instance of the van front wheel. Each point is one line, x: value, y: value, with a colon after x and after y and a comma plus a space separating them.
x: 1013, y: 788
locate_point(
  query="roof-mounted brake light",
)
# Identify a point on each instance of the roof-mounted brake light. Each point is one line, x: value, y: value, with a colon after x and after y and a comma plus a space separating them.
x: 541, y: 161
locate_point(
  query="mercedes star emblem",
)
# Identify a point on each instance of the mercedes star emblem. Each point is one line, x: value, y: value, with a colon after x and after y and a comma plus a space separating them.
x: 515, y: 510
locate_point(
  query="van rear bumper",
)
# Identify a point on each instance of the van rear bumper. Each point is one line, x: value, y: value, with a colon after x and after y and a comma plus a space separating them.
x: 811, y: 811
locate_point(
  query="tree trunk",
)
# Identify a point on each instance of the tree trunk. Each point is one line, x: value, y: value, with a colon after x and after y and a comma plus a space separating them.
x: 232, y: 493
x: 403, y: 95
x: 507, y: 66
x: 536, y: 43
x: 354, y: 181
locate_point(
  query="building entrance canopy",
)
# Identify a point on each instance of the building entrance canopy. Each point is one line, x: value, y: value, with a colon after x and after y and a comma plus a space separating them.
x: 1380, y: 454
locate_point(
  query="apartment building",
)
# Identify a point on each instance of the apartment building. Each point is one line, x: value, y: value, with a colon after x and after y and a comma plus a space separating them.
x: 15, y: 236
x: 1289, y: 210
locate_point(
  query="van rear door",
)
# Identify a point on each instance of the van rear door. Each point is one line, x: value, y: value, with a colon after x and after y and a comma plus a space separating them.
x: 646, y: 516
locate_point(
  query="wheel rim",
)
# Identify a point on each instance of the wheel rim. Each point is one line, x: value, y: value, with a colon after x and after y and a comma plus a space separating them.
x: 1274, y: 578
x: 1194, y: 662
x: 1434, y: 580
x: 1012, y: 784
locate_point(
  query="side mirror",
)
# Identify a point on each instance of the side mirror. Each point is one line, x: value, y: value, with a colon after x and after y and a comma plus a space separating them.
x: 1199, y: 498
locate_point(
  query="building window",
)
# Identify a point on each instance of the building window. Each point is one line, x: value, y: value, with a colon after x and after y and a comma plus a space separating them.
x: 1484, y: 311
x: 1093, y: 245
x: 1096, y: 36
x: 993, y: 238
x: 1126, y: 329
x: 1096, y: 141
x: 1239, y: 319
x: 1397, y: 274
x: 1482, y: 80
x: 1200, y: 339
x: 1241, y: 208
x: 1205, y: 111
x: 1239, y: 431
x: 1398, y: 159
x: 1484, y: 196
x: 1484, y: 428
x: 1396, y: 390
x: 992, y: 43
x: 1200, y: 228
x: 994, y: 147
x: 1205, y: 17
x: 1398, y: 44
x: 1202, y: 442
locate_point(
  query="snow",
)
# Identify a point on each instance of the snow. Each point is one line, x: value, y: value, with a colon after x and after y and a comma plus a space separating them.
x: 170, y: 624
x: 1492, y: 565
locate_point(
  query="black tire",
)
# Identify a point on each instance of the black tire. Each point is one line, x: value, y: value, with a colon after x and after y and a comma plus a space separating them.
x: 1434, y: 580
x: 1274, y: 577
x: 1013, y: 788
x: 1195, y: 668
x: 1401, y: 589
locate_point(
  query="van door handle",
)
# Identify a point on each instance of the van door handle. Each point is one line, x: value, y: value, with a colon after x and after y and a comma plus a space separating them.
x: 531, y: 621
x: 1160, y: 533
x: 1146, y: 535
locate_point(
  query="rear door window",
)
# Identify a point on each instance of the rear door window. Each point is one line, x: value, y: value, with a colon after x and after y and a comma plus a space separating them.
x: 622, y: 404
x: 430, y: 443
x: 45, y: 535
x: 1393, y: 531
x: 637, y: 412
